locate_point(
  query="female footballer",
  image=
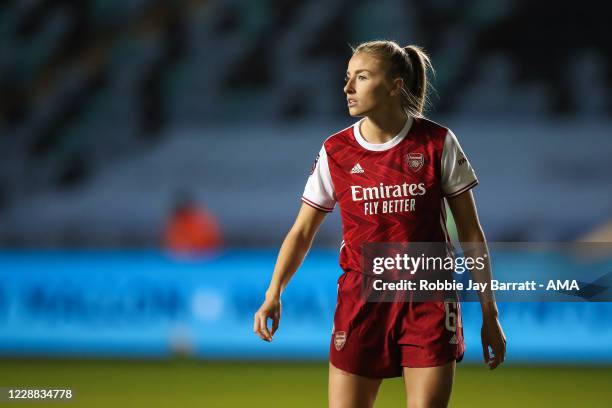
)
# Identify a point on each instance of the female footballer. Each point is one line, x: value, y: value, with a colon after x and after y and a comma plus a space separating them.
x: 390, y: 173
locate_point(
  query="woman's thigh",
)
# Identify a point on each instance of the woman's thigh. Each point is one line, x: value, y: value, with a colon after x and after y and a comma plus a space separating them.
x: 348, y: 390
x: 429, y: 386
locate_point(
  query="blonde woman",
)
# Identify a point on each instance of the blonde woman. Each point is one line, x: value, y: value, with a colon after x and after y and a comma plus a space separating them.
x: 390, y: 173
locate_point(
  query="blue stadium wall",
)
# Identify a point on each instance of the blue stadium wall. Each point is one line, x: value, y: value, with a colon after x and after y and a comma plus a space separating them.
x: 148, y: 304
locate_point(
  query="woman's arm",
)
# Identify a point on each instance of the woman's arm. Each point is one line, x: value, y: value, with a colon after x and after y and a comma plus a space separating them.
x: 291, y: 254
x: 470, y: 231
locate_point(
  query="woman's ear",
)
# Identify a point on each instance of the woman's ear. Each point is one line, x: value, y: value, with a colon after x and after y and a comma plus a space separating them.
x: 396, y: 86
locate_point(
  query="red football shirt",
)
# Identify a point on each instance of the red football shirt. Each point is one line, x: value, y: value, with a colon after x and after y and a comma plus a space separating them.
x: 389, y: 192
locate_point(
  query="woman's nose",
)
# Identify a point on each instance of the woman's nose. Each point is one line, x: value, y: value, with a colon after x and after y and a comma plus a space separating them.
x: 348, y: 87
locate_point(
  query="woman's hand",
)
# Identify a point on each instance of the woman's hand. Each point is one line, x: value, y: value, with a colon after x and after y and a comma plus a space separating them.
x: 292, y: 253
x: 492, y: 337
x: 271, y: 308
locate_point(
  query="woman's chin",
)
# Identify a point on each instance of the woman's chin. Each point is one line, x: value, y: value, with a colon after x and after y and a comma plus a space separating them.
x: 354, y: 112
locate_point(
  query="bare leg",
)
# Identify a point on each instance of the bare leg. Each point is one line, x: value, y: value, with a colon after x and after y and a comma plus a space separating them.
x: 348, y: 390
x: 429, y: 387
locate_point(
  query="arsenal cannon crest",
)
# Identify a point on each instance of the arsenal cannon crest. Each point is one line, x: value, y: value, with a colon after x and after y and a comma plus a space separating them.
x: 415, y: 161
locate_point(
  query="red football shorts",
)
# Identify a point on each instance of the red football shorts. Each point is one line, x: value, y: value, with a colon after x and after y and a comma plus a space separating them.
x: 377, y: 339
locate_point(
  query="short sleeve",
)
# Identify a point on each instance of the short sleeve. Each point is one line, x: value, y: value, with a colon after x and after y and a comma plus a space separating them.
x: 458, y: 175
x: 319, y: 192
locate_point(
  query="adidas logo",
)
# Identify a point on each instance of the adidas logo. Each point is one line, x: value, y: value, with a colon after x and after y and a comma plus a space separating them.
x: 357, y: 169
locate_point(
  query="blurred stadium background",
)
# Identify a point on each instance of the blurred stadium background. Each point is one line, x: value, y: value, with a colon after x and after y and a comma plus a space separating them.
x: 136, y: 133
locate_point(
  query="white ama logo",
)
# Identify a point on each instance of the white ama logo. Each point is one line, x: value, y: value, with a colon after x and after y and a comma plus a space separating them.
x: 357, y: 169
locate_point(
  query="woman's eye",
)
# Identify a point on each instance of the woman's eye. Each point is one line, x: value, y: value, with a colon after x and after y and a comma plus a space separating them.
x: 361, y: 77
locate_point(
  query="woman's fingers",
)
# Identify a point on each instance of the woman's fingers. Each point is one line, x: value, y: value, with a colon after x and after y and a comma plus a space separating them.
x: 499, y: 348
x: 260, y: 321
x: 263, y: 328
x: 493, y: 344
x: 499, y: 355
x: 494, y: 362
x: 260, y: 328
x: 500, y: 351
x: 485, y: 352
x: 261, y: 324
x: 255, y: 323
x: 264, y: 322
x: 275, y: 322
x: 485, y: 345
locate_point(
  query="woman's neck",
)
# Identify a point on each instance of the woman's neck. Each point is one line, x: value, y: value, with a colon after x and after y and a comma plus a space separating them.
x: 381, y: 128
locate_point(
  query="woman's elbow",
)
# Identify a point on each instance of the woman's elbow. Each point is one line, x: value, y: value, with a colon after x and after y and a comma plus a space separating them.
x: 472, y: 234
x: 301, y: 236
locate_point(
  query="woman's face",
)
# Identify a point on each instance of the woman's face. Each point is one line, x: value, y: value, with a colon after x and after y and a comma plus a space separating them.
x: 367, y: 87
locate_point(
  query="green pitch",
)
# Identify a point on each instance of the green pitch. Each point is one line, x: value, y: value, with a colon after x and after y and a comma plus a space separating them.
x: 187, y: 383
